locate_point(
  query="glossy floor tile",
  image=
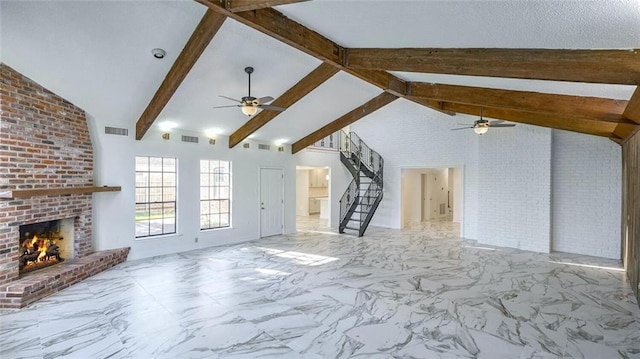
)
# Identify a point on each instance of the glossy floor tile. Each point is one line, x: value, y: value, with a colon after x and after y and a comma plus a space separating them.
x: 409, y: 293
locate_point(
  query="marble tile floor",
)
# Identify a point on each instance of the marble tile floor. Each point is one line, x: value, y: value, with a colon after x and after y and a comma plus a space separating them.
x: 313, y: 223
x: 436, y: 228
x: 390, y: 294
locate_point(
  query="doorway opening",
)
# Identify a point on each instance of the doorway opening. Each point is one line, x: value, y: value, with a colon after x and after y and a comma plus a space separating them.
x: 313, y: 204
x: 432, y: 201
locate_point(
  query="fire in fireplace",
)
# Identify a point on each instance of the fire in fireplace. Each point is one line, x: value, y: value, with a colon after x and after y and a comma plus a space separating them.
x: 40, y: 245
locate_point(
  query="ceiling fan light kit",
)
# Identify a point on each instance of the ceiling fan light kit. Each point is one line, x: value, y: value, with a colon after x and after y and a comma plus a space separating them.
x: 249, y: 105
x: 481, y: 130
x: 249, y: 110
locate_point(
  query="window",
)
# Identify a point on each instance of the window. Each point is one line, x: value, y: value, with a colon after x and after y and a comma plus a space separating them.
x: 215, y: 194
x: 155, y: 196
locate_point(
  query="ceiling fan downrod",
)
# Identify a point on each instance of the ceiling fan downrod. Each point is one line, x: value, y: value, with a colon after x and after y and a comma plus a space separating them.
x: 249, y: 70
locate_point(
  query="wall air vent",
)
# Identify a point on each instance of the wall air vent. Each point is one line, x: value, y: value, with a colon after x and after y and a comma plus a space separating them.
x: 263, y: 147
x: 116, y: 131
x: 191, y: 139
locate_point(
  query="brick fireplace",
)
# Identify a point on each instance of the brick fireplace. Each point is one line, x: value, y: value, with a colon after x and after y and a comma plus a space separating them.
x: 44, y: 143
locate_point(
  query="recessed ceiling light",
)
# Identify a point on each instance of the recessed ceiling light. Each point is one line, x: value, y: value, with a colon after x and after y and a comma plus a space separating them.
x: 167, y: 125
x: 158, y: 53
x: 213, y: 132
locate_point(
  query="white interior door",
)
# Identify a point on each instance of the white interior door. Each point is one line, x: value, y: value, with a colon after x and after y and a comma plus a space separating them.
x: 271, y: 201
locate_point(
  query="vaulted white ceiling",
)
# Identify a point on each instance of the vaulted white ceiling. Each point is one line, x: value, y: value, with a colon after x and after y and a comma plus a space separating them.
x: 98, y: 54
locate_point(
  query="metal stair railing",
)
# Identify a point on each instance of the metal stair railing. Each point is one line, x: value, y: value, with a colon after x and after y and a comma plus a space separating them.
x: 360, y: 158
x: 368, y: 203
x: 348, y: 202
x: 369, y: 158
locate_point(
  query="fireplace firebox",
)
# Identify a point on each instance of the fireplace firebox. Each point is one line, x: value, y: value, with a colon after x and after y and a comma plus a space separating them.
x: 44, y: 244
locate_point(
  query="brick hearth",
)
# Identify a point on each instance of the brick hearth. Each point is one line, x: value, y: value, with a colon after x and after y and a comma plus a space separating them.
x: 34, y: 286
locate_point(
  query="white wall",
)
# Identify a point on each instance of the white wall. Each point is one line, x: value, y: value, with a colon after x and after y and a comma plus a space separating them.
x: 339, y: 176
x: 409, y: 135
x: 586, y: 177
x: 302, y: 192
x: 114, y: 213
x: 515, y: 188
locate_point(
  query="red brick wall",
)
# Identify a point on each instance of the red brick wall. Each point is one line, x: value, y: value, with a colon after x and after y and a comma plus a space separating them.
x: 44, y: 143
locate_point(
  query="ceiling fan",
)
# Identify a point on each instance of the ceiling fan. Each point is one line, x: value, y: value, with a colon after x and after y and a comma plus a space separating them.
x: 249, y: 104
x: 481, y: 126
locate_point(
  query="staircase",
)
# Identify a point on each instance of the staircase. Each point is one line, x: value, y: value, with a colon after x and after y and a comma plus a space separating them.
x: 363, y: 195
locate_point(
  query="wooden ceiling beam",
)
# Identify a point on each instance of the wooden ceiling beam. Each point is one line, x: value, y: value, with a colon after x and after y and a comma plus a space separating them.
x: 278, y: 26
x: 632, y: 112
x: 314, y: 79
x: 581, y: 125
x: 623, y: 131
x: 564, y: 105
x: 275, y: 24
x: 199, y: 40
x: 594, y: 66
x: 248, y: 5
x: 352, y: 116
x: 432, y: 104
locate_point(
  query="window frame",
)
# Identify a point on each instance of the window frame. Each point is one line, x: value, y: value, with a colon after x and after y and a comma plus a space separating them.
x: 165, y: 205
x: 215, y: 185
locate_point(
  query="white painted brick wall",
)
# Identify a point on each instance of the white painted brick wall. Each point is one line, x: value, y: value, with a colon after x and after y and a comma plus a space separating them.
x: 408, y: 135
x: 515, y: 187
x: 586, y: 194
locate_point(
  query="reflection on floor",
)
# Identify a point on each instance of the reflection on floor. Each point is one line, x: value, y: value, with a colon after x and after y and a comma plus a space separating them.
x: 389, y: 294
x: 435, y: 228
x: 313, y: 223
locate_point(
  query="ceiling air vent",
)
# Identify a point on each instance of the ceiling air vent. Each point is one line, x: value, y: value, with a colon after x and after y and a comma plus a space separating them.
x: 116, y: 131
x: 263, y: 147
x: 192, y: 139
x: 246, y: 145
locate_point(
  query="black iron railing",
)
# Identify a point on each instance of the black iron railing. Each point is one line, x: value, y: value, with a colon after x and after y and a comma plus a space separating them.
x: 360, y: 160
x: 348, y: 199
x: 330, y: 142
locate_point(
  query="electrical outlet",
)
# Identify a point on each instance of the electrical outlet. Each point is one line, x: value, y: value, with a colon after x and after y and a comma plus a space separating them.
x: 196, y: 240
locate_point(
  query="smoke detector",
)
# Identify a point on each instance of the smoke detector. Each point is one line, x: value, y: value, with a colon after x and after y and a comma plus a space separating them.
x: 158, y: 53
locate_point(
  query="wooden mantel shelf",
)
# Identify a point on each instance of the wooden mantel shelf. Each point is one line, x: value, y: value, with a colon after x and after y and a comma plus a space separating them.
x: 35, y: 192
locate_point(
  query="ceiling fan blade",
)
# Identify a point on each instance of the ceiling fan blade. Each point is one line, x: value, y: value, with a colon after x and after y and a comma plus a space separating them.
x: 464, y: 124
x: 493, y: 123
x: 461, y: 128
x: 504, y: 125
x: 229, y: 98
x: 227, y: 106
x: 265, y: 99
x: 272, y: 108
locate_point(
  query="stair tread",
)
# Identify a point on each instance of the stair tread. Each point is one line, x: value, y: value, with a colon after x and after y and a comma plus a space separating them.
x: 351, y: 228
